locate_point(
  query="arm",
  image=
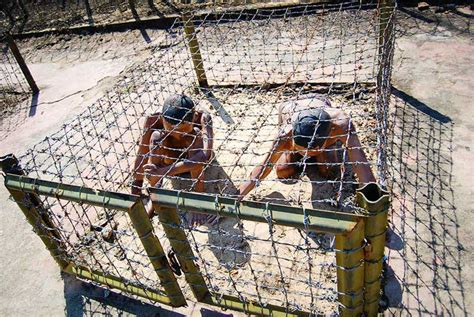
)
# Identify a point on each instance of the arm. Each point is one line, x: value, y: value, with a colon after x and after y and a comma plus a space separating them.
x: 261, y: 171
x: 359, y: 160
x: 203, y: 152
x: 142, y: 154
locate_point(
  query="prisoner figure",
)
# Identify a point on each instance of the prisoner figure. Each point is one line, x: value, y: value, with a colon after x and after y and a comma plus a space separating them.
x: 310, y: 133
x: 177, y: 141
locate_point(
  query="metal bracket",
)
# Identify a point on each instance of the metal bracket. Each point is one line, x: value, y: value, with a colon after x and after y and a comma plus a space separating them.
x: 174, y: 264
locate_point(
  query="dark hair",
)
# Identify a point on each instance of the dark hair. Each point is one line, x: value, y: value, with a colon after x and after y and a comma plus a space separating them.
x: 178, y: 109
x: 311, y: 128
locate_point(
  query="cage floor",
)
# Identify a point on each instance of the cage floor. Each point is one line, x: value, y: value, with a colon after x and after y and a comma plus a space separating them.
x: 240, y: 258
x: 267, y: 265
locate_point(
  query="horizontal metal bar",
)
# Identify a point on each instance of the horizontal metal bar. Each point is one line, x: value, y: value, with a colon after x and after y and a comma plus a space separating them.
x: 317, y: 220
x: 251, y: 308
x: 75, y: 193
x: 117, y: 283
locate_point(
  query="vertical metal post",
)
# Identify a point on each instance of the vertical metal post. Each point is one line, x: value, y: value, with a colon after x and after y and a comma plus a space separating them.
x: 21, y: 62
x: 193, y: 44
x: 131, y: 3
x: 88, y: 11
x: 171, y: 222
x: 154, y: 250
x: 350, y: 271
x: 385, y: 36
x: 385, y: 44
x: 36, y: 213
x: 376, y: 202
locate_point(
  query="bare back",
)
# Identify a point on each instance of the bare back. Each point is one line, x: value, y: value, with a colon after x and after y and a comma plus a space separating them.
x: 289, y: 110
x: 166, y: 148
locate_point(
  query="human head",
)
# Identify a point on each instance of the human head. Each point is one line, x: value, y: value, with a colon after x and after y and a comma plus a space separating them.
x: 178, y: 112
x: 311, y: 128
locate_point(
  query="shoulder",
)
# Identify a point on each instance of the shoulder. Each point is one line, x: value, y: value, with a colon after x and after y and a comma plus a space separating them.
x: 340, y: 121
x: 285, y: 135
x: 153, y: 120
x: 203, y: 116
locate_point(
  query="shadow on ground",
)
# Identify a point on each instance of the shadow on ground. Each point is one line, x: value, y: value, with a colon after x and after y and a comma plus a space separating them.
x: 427, y: 263
x: 84, y: 299
x: 434, y: 21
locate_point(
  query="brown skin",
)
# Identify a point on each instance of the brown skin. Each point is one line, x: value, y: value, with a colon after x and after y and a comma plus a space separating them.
x: 169, y: 150
x: 285, y: 154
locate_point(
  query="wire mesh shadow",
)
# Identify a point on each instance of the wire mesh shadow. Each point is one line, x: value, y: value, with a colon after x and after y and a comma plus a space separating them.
x: 86, y: 299
x: 428, y: 266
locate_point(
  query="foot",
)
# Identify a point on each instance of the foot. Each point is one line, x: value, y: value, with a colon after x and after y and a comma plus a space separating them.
x: 325, y: 241
x: 197, y: 219
x: 289, y: 181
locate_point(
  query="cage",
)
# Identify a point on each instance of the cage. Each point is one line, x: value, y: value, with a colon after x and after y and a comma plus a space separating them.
x: 292, y: 246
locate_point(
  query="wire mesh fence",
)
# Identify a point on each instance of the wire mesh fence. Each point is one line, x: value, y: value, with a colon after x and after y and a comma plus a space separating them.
x: 98, y: 148
x: 14, y: 91
x: 261, y: 71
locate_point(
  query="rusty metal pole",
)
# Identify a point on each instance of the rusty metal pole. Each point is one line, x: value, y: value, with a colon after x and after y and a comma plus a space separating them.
x: 155, y: 252
x: 21, y: 62
x: 193, y: 44
x: 171, y: 222
x: 36, y: 214
x: 376, y: 202
x: 350, y: 271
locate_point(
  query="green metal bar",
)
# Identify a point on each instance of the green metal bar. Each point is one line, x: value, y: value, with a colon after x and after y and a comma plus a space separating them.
x: 171, y: 222
x: 125, y: 202
x: 117, y: 283
x: 34, y: 211
x: 318, y: 220
x: 350, y: 270
x: 234, y: 303
x: 74, y: 193
x: 154, y: 250
x: 193, y: 44
x: 376, y: 202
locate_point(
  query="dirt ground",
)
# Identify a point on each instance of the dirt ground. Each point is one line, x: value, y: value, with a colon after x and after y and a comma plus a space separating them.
x: 431, y: 153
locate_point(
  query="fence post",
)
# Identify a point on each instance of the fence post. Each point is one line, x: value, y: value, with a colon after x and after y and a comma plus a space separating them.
x: 376, y: 202
x: 171, y: 222
x: 21, y: 62
x: 36, y: 214
x: 350, y: 270
x: 154, y: 250
x: 385, y: 36
x: 193, y: 44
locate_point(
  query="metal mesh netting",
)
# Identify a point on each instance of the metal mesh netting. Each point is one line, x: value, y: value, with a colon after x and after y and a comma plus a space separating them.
x: 254, y: 63
x: 101, y: 240
x: 14, y: 90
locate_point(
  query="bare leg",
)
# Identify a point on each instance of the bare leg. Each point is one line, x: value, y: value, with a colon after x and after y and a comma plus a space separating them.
x: 331, y: 163
x: 149, y: 209
x: 197, y: 219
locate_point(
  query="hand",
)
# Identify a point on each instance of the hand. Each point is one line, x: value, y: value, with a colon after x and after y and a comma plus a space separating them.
x: 152, y: 173
x: 244, y: 189
x: 137, y: 187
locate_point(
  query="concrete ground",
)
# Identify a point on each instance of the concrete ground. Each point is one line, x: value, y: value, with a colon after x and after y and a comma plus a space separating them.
x: 430, y: 254
x: 430, y: 251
